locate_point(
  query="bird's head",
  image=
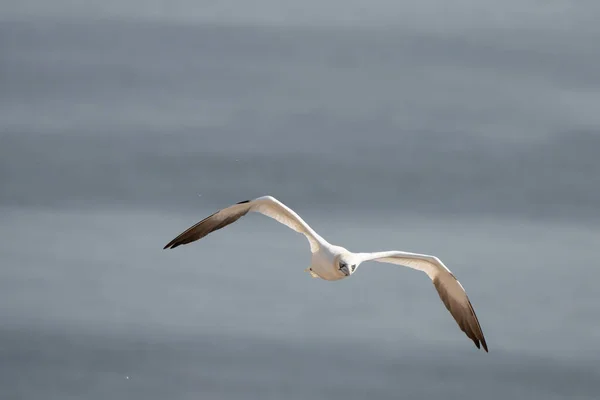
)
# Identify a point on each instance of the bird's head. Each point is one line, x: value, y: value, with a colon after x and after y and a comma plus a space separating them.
x: 346, y: 265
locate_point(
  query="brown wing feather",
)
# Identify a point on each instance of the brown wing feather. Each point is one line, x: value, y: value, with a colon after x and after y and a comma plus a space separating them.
x: 451, y: 292
x: 214, y: 222
x: 463, y: 314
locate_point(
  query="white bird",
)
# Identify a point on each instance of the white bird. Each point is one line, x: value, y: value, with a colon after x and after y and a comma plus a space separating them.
x: 333, y: 263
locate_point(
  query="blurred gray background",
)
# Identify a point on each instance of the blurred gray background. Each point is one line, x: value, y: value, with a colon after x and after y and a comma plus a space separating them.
x: 468, y: 130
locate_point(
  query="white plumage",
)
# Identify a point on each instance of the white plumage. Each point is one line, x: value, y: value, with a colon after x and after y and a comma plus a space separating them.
x: 332, y: 262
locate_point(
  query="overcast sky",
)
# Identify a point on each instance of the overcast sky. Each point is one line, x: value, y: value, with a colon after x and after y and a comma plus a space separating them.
x: 523, y: 72
x: 551, y: 15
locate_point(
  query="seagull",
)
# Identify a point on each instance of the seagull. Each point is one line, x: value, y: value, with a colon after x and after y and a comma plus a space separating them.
x: 332, y: 263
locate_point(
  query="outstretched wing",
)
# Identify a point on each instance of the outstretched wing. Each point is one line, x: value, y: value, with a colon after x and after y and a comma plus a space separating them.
x: 451, y: 292
x: 266, y: 205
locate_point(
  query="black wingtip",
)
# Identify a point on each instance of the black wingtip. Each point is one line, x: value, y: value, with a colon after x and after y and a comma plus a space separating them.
x: 481, y: 343
x: 243, y: 202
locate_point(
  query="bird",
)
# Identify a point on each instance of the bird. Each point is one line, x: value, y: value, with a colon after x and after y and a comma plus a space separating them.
x: 332, y: 263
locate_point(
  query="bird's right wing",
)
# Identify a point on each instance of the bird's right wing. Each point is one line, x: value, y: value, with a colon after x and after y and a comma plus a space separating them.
x: 266, y: 205
x: 451, y: 292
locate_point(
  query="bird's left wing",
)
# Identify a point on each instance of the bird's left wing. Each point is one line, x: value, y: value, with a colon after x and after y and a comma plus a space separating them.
x: 266, y: 205
x: 450, y: 290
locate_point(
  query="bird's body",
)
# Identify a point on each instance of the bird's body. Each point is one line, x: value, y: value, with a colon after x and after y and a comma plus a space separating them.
x: 323, y: 262
x: 332, y: 263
